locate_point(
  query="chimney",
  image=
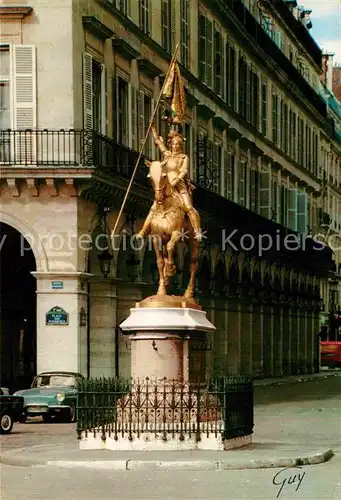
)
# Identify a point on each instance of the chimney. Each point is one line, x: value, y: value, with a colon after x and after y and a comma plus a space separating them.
x: 327, y: 68
x: 337, y: 82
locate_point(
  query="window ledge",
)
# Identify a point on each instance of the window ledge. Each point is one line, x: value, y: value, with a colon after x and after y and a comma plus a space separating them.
x: 94, y: 26
x: 147, y: 67
x: 205, y: 111
x: 12, y: 12
x: 125, y: 49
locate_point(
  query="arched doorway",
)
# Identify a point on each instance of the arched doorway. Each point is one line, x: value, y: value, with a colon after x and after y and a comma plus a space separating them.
x: 18, y: 306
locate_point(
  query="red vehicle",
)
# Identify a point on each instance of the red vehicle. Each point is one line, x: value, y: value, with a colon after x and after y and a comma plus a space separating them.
x: 331, y: 344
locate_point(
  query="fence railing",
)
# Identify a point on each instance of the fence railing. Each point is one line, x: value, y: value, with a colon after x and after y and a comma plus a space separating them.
x: 68, y: 148
x: 130, y: 408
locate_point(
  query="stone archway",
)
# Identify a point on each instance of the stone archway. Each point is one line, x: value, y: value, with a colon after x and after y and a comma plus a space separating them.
x: 18, y: 309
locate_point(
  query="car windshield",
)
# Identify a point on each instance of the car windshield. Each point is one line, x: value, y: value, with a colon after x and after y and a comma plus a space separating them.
x: 54, y: 381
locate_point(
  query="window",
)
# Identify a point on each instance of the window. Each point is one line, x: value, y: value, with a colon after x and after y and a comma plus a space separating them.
x: 95, y: 82
x: 144, y: 16
x: 254, y: 100
x: 254, y: 189
x: 300, y: 145
x: 230, y: 74
x: 216, y: 167
x: 205, y: 50
x: 302, y: 212
x: 122, y: 124
x: 218, y: 71
x: 284, y: 127
x: 168, y: 25
x: 18, y: 109
x: 243, y: 184
x: 184, y: 33
x: 275, y: 119
x: 97, y: 96
x: 242, y: 70
x: 145, y: 113
x: 229, y: 175
x: 264, y: 108
x: 265, y: 193
x: 124, y: 6
x: 5, y: 109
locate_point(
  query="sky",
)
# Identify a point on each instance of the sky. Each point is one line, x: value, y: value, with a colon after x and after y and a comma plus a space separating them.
x: 326, y: 20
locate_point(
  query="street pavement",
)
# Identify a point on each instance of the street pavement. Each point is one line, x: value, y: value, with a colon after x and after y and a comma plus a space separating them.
x: 304, y: 414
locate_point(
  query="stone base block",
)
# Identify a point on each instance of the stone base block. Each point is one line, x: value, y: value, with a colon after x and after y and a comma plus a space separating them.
x: 152, y: 442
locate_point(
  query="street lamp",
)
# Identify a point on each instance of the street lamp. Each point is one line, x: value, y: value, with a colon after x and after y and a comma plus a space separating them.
x: 105, y: 259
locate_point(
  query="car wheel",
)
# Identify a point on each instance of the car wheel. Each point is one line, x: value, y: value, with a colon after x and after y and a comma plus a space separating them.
x: 72, y: 413
x: 6, y: 422
x: 47, y: 419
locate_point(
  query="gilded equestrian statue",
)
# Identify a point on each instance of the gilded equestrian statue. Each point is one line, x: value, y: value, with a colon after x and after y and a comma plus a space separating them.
x: 172, y: 216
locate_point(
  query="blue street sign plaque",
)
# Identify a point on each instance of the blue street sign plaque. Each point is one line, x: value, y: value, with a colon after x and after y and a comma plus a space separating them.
x: 57, y: 316
x: 57, y: 285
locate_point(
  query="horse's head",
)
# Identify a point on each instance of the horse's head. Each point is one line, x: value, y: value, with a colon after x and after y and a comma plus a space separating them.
x: 158, y: 179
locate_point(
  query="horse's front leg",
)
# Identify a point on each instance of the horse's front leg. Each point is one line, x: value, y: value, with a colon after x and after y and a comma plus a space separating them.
x: 171, y: 268
x: 160, y: 265
x: 193, y: 245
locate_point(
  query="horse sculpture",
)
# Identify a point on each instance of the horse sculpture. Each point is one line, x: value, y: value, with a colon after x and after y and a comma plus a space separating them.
x: 168, y: 224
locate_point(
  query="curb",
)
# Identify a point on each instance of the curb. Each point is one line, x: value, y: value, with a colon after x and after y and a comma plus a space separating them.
x: 175, y: 465
x: 294, y: 379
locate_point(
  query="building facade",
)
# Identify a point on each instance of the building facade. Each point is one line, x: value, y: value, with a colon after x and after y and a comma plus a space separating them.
x: 79, y: 83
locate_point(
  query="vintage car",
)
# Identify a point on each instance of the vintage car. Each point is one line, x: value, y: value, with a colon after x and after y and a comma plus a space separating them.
x: 52, y: 394
x: 11, y: 410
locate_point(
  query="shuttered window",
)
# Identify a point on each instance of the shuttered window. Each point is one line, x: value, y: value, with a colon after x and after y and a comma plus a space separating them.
x: 24, y: 100
x: 292, y: 209
x: 144, y: 114
x: 302, y: 212
x: 265, y: 193
x: 124, y: 6
x: 205, y: 55
x: 242, y: 191
x: 242, y: 72
x: 144, y: 16
x: 133, y: 105
x: 264, y: 128
x: 184, y: 32
x: 230, y: 73
x: 254, y: 189
x: 95, y: 89
x: 275, y: 119
x: 168, y: 25
x: 122, y: 108
x: 229, y: 175
x: 218, y: 71
x: 216, y: 167
x: 254, y: 100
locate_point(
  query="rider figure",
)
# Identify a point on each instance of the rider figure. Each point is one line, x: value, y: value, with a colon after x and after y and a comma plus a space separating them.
x: 176, y: 165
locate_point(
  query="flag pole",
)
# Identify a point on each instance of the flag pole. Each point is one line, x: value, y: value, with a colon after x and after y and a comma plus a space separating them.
x: 144, y: 141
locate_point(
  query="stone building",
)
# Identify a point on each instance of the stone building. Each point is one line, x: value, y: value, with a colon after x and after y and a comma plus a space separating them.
x: 79, y: 80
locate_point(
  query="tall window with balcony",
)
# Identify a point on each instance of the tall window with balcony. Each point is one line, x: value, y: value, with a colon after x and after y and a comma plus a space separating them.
x: 168, y: 25
x: 122, y: 111
x: 205, y: 53
x: 145, y: 112
x: 144, y: 16
x: 184, y: 32
x: 18, y: 109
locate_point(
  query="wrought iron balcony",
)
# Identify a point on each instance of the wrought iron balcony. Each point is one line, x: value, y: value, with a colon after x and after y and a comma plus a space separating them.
x: 63, y: 148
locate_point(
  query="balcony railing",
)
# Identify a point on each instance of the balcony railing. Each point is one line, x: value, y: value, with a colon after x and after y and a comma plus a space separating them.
x: 78, y: 148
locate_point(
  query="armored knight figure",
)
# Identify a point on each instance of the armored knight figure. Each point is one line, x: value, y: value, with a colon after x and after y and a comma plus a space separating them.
x: 175, y: 164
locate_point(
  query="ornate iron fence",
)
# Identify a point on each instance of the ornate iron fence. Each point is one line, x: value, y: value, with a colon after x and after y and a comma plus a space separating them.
x: 130, y: 408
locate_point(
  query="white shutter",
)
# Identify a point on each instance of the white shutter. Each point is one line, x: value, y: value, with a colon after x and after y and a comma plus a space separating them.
x: 104, y: 100
x: 264, y: 194
x: 24, y: 99
x: 128, y: 8
x: 209, y: 53
x: 88, y: 91
x: 302, y: 212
